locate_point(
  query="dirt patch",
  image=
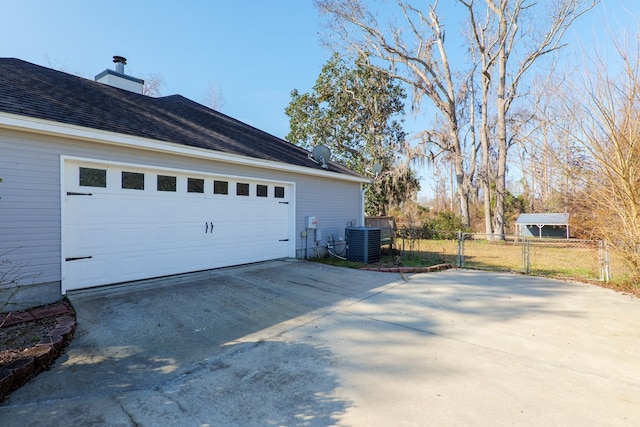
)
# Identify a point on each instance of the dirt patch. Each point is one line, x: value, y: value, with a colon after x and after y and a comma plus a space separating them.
x: 16, y: 338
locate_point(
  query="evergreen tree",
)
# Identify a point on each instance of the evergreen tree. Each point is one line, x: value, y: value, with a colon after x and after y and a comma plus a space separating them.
x: 356, y: 111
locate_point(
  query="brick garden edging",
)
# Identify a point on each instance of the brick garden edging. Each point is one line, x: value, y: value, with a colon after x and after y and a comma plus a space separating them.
x: 42, y: 355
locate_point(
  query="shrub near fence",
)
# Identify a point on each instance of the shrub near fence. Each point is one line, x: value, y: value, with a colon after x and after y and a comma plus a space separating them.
x: 570, y: 258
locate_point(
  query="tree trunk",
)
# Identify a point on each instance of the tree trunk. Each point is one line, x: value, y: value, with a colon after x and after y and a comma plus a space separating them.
x: 486, y: 189
x: 499, y: 218
x: 463, y: 190
x: 486, y: 166
x: 463, y: 198
x: 501, y: 183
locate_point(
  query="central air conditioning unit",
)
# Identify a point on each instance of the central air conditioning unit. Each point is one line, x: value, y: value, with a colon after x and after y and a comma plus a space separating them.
x: 363, y: 244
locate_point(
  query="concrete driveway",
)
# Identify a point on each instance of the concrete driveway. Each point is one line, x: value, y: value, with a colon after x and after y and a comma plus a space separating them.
x: 294, y: 343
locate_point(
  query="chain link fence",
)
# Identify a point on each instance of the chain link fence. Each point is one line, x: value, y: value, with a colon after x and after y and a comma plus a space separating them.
x: 566, y: 258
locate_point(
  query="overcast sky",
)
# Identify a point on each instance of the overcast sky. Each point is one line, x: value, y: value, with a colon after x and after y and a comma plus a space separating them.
x: 254, y: 51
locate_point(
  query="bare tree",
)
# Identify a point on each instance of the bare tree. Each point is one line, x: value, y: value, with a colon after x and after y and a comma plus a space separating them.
x: 509, y: 43
x: 550, y: 159
x: 413, y: 52
x: 56, y: 64
x: 482, y: 53
x: 505, y: 43
x: 605, y: 109
x: 153, y: 83
x: 213, y: 96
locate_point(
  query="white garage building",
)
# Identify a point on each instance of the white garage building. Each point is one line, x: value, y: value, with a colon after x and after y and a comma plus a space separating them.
x: 103, y: 185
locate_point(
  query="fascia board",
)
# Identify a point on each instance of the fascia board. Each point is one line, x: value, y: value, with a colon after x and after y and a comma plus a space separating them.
x: 48, y: 127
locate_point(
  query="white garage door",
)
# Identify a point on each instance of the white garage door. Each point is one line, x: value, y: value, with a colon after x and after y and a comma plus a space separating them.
x: 128, y: 223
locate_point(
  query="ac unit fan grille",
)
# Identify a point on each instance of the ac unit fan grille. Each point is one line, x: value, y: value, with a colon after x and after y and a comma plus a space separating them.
x: 364, y: 244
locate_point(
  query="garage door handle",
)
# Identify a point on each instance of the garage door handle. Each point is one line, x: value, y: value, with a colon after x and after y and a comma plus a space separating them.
x: 78, y: 258
x: 283, y: 240
x: 206, y: 227
x: 72, y: 193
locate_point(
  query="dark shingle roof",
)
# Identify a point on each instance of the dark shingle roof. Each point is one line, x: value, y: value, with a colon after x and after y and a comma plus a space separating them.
x: 31, y: 90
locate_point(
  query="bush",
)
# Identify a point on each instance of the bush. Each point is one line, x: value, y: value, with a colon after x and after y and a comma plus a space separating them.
x: 444, y: 226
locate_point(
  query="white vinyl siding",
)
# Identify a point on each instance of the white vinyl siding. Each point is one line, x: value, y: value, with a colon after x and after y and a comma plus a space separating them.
x: 333, y: 203
x: 30, y: 194
x: 29, y: 209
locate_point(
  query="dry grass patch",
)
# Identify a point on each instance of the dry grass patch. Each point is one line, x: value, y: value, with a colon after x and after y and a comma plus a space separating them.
x: 574, y: 260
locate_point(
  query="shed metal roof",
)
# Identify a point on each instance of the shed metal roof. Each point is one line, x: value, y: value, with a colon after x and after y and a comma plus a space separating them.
x: 34, y: 91
x: 543, y: 219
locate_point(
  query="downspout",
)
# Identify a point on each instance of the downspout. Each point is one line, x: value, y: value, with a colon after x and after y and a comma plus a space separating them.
x: 363, y: 190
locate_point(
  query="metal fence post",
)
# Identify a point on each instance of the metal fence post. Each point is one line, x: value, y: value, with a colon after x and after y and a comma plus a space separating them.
x: 526, y: 255
x: 460, y: 258
x: 607, y: 261
x: 604, y: 261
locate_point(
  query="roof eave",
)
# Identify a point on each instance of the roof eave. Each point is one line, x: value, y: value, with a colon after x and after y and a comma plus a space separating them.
x: 48, y: 127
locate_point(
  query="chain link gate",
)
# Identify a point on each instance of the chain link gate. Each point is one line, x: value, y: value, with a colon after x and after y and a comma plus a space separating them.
x: 561, y: 258
x: 526, y: 253
x: 537, y: 257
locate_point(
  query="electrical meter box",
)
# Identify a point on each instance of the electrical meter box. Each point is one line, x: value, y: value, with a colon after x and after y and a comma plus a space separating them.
x: 311, y: 221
